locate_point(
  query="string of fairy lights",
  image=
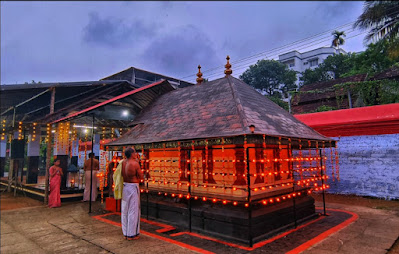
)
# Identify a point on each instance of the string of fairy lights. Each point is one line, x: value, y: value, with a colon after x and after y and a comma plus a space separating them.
x: 213, y: 171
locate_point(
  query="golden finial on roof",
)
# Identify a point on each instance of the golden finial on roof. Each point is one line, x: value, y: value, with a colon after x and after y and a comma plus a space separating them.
x: 228, y: 71
x: 199, y: 75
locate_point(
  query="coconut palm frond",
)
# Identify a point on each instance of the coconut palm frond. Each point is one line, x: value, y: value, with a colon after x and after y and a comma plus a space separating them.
x: 380, y: 18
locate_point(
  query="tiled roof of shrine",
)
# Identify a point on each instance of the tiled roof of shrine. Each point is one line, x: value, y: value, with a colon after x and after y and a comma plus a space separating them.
x: 221, y: 108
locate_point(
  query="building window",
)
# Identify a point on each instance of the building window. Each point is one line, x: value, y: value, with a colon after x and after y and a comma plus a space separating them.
x: 290, y: 63
x: 314, y: 62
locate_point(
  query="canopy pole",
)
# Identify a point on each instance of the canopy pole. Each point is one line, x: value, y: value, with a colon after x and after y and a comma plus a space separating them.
x: 91, y: 162
x: 48, y: 158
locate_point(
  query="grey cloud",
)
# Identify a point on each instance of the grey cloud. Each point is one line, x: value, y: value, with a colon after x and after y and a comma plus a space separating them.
x: 336, y: 11
x: 180, y: 51
x: 114, y: 32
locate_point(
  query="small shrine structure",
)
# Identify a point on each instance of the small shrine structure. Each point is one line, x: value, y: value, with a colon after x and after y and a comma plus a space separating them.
x: 221, y: 158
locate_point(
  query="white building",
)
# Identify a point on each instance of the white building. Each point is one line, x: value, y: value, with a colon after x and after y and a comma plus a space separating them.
x: 311, y: 59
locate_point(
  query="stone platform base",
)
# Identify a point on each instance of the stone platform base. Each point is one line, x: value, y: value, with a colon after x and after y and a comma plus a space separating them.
x: 228, y: 222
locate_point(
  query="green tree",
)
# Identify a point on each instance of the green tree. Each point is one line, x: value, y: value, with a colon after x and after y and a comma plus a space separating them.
x: 278, y: 101
x: 338, y: 38
x: 270, y: 76
x: 376, y: 58
x: 316, y: 75
x: 381, y: 18
x: 333, y: 67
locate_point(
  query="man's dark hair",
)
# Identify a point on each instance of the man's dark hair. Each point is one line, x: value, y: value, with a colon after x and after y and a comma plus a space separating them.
x: 129, y: 151
x: 91, y: 155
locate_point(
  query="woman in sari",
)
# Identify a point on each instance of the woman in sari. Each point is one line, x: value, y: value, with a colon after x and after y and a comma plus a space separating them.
x: 54, y: 199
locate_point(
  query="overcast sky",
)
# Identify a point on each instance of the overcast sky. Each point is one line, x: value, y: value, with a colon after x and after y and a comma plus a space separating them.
x: 78, y: 41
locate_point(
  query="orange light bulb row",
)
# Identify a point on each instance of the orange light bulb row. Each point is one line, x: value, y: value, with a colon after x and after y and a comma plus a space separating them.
x: 59, y: 136
x: 309, y: 169
x: 112, y: 133
x: 310, y: 154
x: 48, y: 133
x: 304, y: 182
x: 165, y: 182
x: 318, y: 162
x: 273, y: 200
x: 179, y: 154
x: 115, y: 161
x: 79, y: 155
x: 271, y: 186
x: 223, y: 163
x: 238, y: 161
x: 106, y: 169
x: 100, y: 177
x: 206, y: 158
x: 188, y: 196
x: 19, y: 130
x: 268, y: 201
x: 3, y: 130
x: 103, y: 133
x: 164, y: 162
x: 67, y: 138
x: 324, y: 187
x: 222, y: 174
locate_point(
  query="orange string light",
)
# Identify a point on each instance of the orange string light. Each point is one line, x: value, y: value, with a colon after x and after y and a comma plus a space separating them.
x: 3, y: 130
x: 19, y: 130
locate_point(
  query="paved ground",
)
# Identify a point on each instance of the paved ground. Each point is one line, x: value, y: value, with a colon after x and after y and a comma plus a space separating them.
x: 68, y: 229
x: 27, y: 226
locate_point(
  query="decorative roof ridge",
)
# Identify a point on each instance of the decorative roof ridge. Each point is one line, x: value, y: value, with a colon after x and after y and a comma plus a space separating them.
x: 237, y: 102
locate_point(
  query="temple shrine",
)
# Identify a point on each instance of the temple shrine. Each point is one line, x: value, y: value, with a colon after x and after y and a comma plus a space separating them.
x: 222, y: 159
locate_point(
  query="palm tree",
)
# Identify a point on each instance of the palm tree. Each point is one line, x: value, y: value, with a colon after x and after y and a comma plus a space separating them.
x: 381, y: 18
x: 338, y: 40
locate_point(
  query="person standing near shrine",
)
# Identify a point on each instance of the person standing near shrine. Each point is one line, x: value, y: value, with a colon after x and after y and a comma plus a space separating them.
x: 54, y: 199
x: 87, y: 168
x: 130, y: 212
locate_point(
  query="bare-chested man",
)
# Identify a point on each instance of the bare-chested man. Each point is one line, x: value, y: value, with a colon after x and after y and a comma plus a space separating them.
x: 130, y: 214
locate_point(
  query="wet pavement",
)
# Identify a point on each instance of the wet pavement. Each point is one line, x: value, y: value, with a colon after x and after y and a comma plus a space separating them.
x: 28, y: 226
